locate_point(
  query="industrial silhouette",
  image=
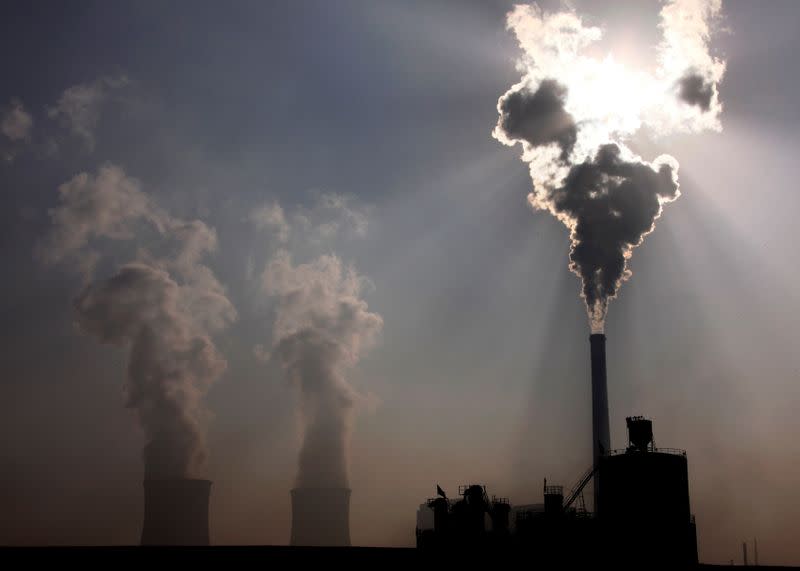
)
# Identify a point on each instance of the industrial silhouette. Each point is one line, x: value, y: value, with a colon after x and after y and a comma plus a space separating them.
x: 641, y: 503
x: 641, y: 511
x: 642, y: 515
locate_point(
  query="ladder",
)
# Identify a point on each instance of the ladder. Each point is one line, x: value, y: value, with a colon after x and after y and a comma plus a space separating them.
x: 578, y: 488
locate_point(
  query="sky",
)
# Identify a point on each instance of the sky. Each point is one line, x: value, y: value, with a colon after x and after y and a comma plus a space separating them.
x: 368, y: 125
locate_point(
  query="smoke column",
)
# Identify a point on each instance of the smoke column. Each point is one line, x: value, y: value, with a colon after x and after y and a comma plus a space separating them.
x: 322, y: 327
x: 161, y: 307
x: 573, y: 113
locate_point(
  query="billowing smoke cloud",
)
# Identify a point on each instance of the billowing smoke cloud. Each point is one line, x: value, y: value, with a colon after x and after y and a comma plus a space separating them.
x: 572, y: 113
x: 695, y: 90
x: 539, y: 117
x: 322, y: 328
x: 162, y: 307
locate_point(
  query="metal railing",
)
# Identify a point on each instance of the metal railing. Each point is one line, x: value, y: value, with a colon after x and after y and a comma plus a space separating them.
x: 675, y: 451
x: 577, y: 489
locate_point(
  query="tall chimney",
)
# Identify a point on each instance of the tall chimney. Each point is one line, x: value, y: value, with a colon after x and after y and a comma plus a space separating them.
x: 601, y: 441
x: 176, y: 512
x: 321, y: 516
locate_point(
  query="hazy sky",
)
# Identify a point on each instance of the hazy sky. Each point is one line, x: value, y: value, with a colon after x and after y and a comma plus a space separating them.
x: 480, y: 372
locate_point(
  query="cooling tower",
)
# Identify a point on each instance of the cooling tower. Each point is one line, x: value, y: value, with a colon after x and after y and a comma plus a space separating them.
x: 601, y: 441
x: 176, y: 512
x: 321, y: 516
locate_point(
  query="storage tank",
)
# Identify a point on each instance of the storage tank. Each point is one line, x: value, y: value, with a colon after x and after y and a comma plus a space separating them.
x: 644, y: 500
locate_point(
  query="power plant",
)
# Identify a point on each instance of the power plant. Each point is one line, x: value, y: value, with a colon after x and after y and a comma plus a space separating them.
x: 641, y: 506
x: 641, y: 511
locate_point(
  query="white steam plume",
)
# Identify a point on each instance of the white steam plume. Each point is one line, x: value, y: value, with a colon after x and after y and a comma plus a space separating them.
x: 322, y: 328
x: 162, y: 307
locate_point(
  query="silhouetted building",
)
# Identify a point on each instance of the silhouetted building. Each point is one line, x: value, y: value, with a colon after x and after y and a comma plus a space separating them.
x: 644, y: 501
x: 176, y: 512
x: 321, y: 516
x: 471, y: 522
x: 642, y: 516
x: 641, y: 501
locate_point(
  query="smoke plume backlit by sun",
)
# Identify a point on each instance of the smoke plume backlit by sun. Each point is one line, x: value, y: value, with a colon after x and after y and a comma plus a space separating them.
x: 573, y: 114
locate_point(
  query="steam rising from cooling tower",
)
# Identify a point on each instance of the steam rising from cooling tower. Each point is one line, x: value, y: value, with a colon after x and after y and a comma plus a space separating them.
x: 572, y: 113
x: 322, y: 326
x: 162, y: 306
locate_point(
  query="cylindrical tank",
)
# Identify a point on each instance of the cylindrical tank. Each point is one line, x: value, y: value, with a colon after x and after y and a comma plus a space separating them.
x: 176, y: 512
x: 321, y: 516
x: 644, y: 504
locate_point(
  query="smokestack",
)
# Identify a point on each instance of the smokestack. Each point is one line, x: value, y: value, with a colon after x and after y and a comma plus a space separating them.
x: 321, y: 516
x: 176, y: 512
x: 601, y: 442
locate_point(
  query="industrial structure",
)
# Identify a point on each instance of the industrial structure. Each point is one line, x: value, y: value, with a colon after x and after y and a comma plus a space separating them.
x: 641, y: 511
x: 176, y: 512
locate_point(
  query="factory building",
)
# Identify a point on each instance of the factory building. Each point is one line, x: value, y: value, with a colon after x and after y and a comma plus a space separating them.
x: 641, y: 514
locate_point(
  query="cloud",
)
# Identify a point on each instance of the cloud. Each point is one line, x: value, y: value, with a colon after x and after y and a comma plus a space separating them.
x: 79, y: 107
x: 162, y: 307
x: 105, y: 205
x: 16, y: 124
x: 270, y: 217
x: 332, y: 216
